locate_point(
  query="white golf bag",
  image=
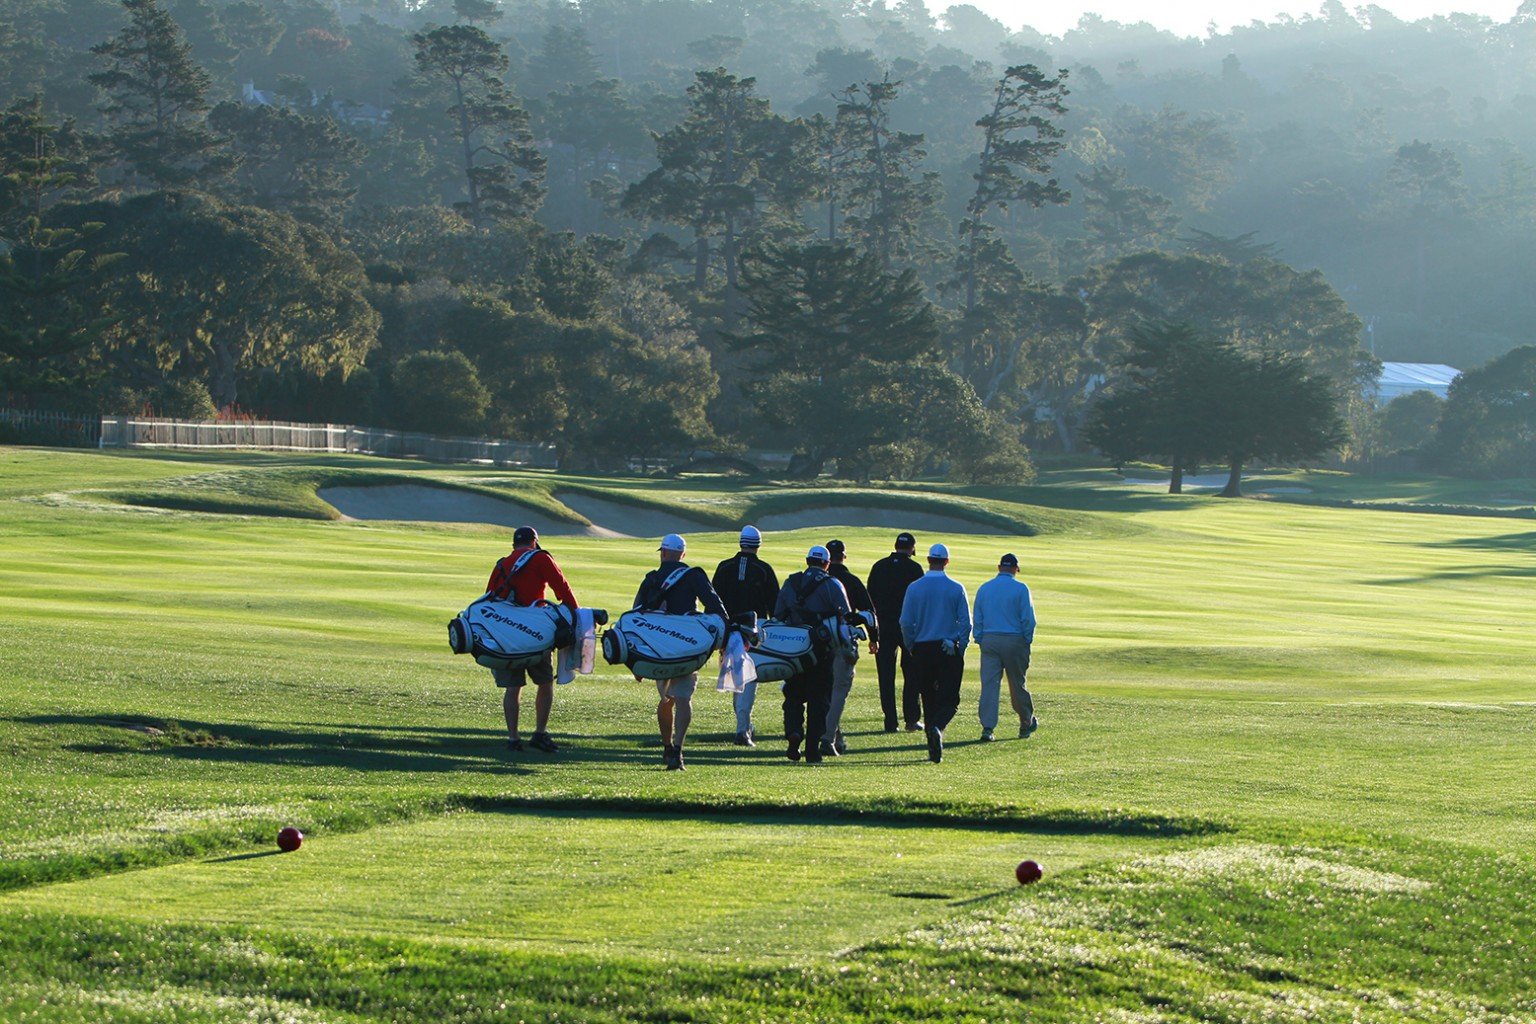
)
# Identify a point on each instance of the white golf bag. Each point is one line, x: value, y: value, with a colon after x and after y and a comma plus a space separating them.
x: 501, y: 634
x: 782, y: 651
x: 656, y: 645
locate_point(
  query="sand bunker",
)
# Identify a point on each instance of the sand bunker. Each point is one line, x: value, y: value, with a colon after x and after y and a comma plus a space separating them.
x: 421, y: 504
x: 1208, y: 481
x: 854, y: 516
x: 617, y: 519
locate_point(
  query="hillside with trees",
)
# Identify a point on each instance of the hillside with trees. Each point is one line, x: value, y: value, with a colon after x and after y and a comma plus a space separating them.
x: 890, y: 239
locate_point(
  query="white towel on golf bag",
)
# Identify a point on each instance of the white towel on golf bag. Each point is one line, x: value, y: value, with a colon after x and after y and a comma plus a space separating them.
x: 581, y: 656
x: 736, y: 667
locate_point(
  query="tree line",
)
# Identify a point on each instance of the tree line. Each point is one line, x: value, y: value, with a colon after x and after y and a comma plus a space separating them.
x: 627, y: 261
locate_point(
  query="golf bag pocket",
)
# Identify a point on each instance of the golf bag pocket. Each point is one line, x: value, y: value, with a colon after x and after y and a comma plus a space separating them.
x: 655, y: 645
x: 783, y: 650
x: 500, y: 634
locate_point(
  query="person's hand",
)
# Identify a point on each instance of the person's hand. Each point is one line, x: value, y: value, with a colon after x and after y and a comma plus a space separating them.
x: 874, y: 647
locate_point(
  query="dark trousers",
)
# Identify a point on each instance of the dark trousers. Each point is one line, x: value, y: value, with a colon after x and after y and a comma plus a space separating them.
x: 885, y: 667
x: 936, y: 677
x: 806, y: 699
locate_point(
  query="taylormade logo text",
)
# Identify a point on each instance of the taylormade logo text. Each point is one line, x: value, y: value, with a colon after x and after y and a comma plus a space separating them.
x: 664, y: 631
x: 521, y: 627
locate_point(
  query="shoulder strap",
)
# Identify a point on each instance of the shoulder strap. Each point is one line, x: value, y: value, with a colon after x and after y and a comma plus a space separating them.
x: 523, y: 560
x: 805, y: 588
x: 672, y: 579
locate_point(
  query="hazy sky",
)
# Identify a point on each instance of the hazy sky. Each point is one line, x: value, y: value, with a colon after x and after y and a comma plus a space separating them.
x: 1190, y: 17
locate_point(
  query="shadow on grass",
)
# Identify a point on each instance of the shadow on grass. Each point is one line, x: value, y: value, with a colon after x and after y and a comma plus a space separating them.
x: 1480, y: 573
x: 355, y: 748
x: 246, y: 856
x: 884, y: 812
x: 423, y: 749
x: 1507, y: 542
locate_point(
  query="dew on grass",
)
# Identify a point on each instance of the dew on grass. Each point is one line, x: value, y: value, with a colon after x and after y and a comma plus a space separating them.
x: 1280, y: 866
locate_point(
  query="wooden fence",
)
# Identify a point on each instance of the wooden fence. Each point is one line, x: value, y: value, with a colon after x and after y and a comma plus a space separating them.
x: 56, y: 429
x: 263, y: 435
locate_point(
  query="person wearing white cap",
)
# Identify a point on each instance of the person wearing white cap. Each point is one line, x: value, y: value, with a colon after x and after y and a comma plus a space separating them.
x: 936, y: 623
x: 677, y: 589
x: 747, y: 584
x: 809, y: 598
x: 1005, y: 631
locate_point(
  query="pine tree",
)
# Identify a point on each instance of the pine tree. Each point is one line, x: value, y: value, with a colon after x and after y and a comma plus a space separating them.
x: 729, y: 164
x: 503, y: 168
x: 157, y: 101
x: 46, y: 272
x: 1019, y: 141
x: 888, y: 198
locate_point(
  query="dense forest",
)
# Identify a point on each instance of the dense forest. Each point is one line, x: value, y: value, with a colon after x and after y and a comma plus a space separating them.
x: 885, y: 238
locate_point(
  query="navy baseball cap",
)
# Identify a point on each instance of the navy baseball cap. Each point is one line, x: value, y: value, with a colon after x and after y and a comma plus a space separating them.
x: 835, y: 547
x: 906, y: 540
x: 525, y: 535
x: 1010, y: 560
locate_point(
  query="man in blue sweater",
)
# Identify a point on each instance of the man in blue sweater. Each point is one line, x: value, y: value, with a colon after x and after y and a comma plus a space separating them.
x: 936, y: 623
x: 1005, y: 629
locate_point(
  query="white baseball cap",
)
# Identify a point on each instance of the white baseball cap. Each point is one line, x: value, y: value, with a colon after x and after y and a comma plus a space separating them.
x: 938, y: 551
x: 817, y: 554
x: 673, y: 542
x: 751, y: 537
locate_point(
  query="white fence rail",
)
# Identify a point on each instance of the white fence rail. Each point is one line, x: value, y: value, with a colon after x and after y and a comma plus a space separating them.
x: 146, y: 432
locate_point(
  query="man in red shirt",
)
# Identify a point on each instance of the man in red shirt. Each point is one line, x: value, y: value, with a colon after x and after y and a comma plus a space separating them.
x: 521, y: 578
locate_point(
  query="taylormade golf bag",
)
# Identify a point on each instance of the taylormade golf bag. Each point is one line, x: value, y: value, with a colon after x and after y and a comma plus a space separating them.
x: 655, y: 645
x: 501, y: 634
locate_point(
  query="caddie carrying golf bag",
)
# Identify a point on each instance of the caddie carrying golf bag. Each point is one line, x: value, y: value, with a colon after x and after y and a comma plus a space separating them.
x: 656, y: 645
x: 501, y: 634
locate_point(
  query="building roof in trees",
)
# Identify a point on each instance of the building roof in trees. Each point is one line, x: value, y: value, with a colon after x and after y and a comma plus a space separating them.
x: 1397, y: 379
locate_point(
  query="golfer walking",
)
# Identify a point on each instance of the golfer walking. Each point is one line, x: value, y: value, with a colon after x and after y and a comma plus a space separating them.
x: 747, y: 584
x: 521, y: 578
x: 889, y: 579
x: 677, y: 589
x: 1005, y: 631
x: 936, y: 622
x: 845, y: 659
x: 811, y: 598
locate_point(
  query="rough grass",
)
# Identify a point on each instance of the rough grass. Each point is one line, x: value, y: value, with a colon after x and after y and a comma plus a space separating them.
x: 1283, y: 774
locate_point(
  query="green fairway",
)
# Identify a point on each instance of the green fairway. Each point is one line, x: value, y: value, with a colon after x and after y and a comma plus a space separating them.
x: 1284, y: 769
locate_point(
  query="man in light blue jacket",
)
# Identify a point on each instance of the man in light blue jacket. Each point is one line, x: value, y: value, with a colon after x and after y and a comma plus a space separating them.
x: 1005, y: 630
x: 936, y: 625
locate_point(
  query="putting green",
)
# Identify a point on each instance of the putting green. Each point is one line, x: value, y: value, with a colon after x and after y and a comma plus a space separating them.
x: 745, y: 887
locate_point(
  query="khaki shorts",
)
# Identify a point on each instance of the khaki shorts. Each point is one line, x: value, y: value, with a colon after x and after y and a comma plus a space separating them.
x: 541, y: 672
x: 682, y: 687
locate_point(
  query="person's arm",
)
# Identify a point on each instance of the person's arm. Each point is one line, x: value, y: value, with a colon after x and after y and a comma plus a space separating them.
x: 640, y: 595
x: 908, y: 617
x: 494, y: 581
x: 783, y: 603
x: 842, y: 606
x: 962, y: 616
x: 981, y: 612
x: 1027, y: 619
x: 770, y: 585
x: 707, y: 596
x: 556, y: 581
